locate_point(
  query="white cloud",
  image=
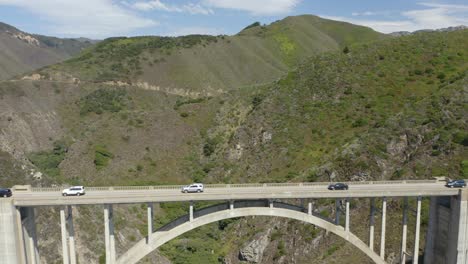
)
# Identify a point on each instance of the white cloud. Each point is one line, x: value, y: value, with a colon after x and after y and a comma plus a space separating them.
x: 256, y: 7
x: 90, y: 18
x: 433, y: 16
x: 190, y: 8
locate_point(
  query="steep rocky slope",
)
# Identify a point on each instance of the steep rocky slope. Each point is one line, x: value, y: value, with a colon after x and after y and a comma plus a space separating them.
x: 390, y: 109
x: 21, y: 52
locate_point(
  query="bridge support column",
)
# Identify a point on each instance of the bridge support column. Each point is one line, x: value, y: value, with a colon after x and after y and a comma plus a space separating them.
x: 309, y: 208
x: 337, y: 210
x: 231, y: 205
x: 191, y: 211
x: 29, y: 233
x: 63, y: 228
x: 109, y: 234
x: 150, y: 211
x: 416, y: 236
x: 371, y: 223
x: 270, y: 202
x: 20, y: 237
x: 71, y: 235
x: 382, y: 236
x: 347, y: 215
x: 405, y: 227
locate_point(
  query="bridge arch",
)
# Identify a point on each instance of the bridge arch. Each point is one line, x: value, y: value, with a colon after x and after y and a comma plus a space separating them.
x: 221, y: 212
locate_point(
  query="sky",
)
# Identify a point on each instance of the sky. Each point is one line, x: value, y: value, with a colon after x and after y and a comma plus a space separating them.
x: 98, y: 19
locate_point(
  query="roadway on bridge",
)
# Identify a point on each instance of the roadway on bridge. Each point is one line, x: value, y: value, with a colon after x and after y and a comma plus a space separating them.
x: 28, y: 198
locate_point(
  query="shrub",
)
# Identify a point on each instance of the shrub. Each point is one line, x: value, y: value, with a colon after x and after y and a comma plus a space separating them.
x: 210, y: 146
x: 464, y: 168
x: 461, y: 138
x: 101, y: 156
x: 360, y: 122
x: 346, y: 50
x: 103, y: 100
x: 256, y: 101
x: 48, y: 161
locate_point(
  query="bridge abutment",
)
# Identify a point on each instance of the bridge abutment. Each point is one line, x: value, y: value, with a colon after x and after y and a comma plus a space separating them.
x: 10, y: 248
x: 447, y: 233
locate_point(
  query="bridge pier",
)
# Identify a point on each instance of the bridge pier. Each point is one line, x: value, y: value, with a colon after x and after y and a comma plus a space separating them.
x: 191, y: 211
x: 371, y: 223
x: 337, y: 212
x: 382, y: 236
x: 29, y: 233
x: 347, y: 215
x: 68, y: 235
x: 109, y: 234
x: 150, y: 212
x: 416, y: 236
x: 63, y: 229
x: 309, y: 208
x: 71, y: 235
x: 404, y: 234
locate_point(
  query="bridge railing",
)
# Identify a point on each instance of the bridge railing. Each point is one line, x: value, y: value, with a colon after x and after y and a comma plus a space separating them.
x: 218, y: 186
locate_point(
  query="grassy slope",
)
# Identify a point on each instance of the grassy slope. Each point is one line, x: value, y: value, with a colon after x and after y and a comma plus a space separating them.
x: 255, y: 55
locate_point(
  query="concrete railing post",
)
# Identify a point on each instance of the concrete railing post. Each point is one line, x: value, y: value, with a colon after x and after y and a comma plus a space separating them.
x: 371, y: 223
x: 63, y: 228
x: 150, y: 212
x: 191, y: 211
x: 347, y: 215
x: 382, y: 236
x: 109, y: 234
x: 71, y: 235
x: 416, y: 236
x: 405, y: 227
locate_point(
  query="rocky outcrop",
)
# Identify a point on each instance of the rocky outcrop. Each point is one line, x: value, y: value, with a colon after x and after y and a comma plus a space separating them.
x: 253, y: 251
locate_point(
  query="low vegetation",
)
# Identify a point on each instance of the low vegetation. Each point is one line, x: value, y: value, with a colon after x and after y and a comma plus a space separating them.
x: 48, y: 161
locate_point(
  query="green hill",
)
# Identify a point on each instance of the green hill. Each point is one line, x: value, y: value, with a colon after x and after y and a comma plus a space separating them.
x: 213, y: 64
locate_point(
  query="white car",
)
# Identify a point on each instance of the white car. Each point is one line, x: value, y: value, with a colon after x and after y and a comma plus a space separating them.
x: 74, y: 190
x: 194, y: 187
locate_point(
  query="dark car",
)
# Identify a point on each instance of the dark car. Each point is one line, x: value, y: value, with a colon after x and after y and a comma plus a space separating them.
x: 338, y: 186
x: 5, y: 192
x: 456, y: 183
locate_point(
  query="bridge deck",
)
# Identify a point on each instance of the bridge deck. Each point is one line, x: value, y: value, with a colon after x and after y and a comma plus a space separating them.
x: 122, y: 196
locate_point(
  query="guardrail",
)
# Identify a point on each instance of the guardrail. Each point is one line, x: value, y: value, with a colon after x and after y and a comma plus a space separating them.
x: 212, y: 186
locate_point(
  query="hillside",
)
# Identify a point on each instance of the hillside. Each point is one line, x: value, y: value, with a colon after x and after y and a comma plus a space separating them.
x: 21, y: 52
x: 207, y: 65
x: 388, y: 109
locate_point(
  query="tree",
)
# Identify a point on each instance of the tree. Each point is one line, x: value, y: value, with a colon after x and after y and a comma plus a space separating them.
x: 346, y: 50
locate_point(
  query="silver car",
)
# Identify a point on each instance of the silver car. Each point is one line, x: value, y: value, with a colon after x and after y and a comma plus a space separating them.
x: 194, y: 187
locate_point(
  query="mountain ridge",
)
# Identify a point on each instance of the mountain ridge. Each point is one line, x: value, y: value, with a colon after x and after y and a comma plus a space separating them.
x: 21, y: 52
